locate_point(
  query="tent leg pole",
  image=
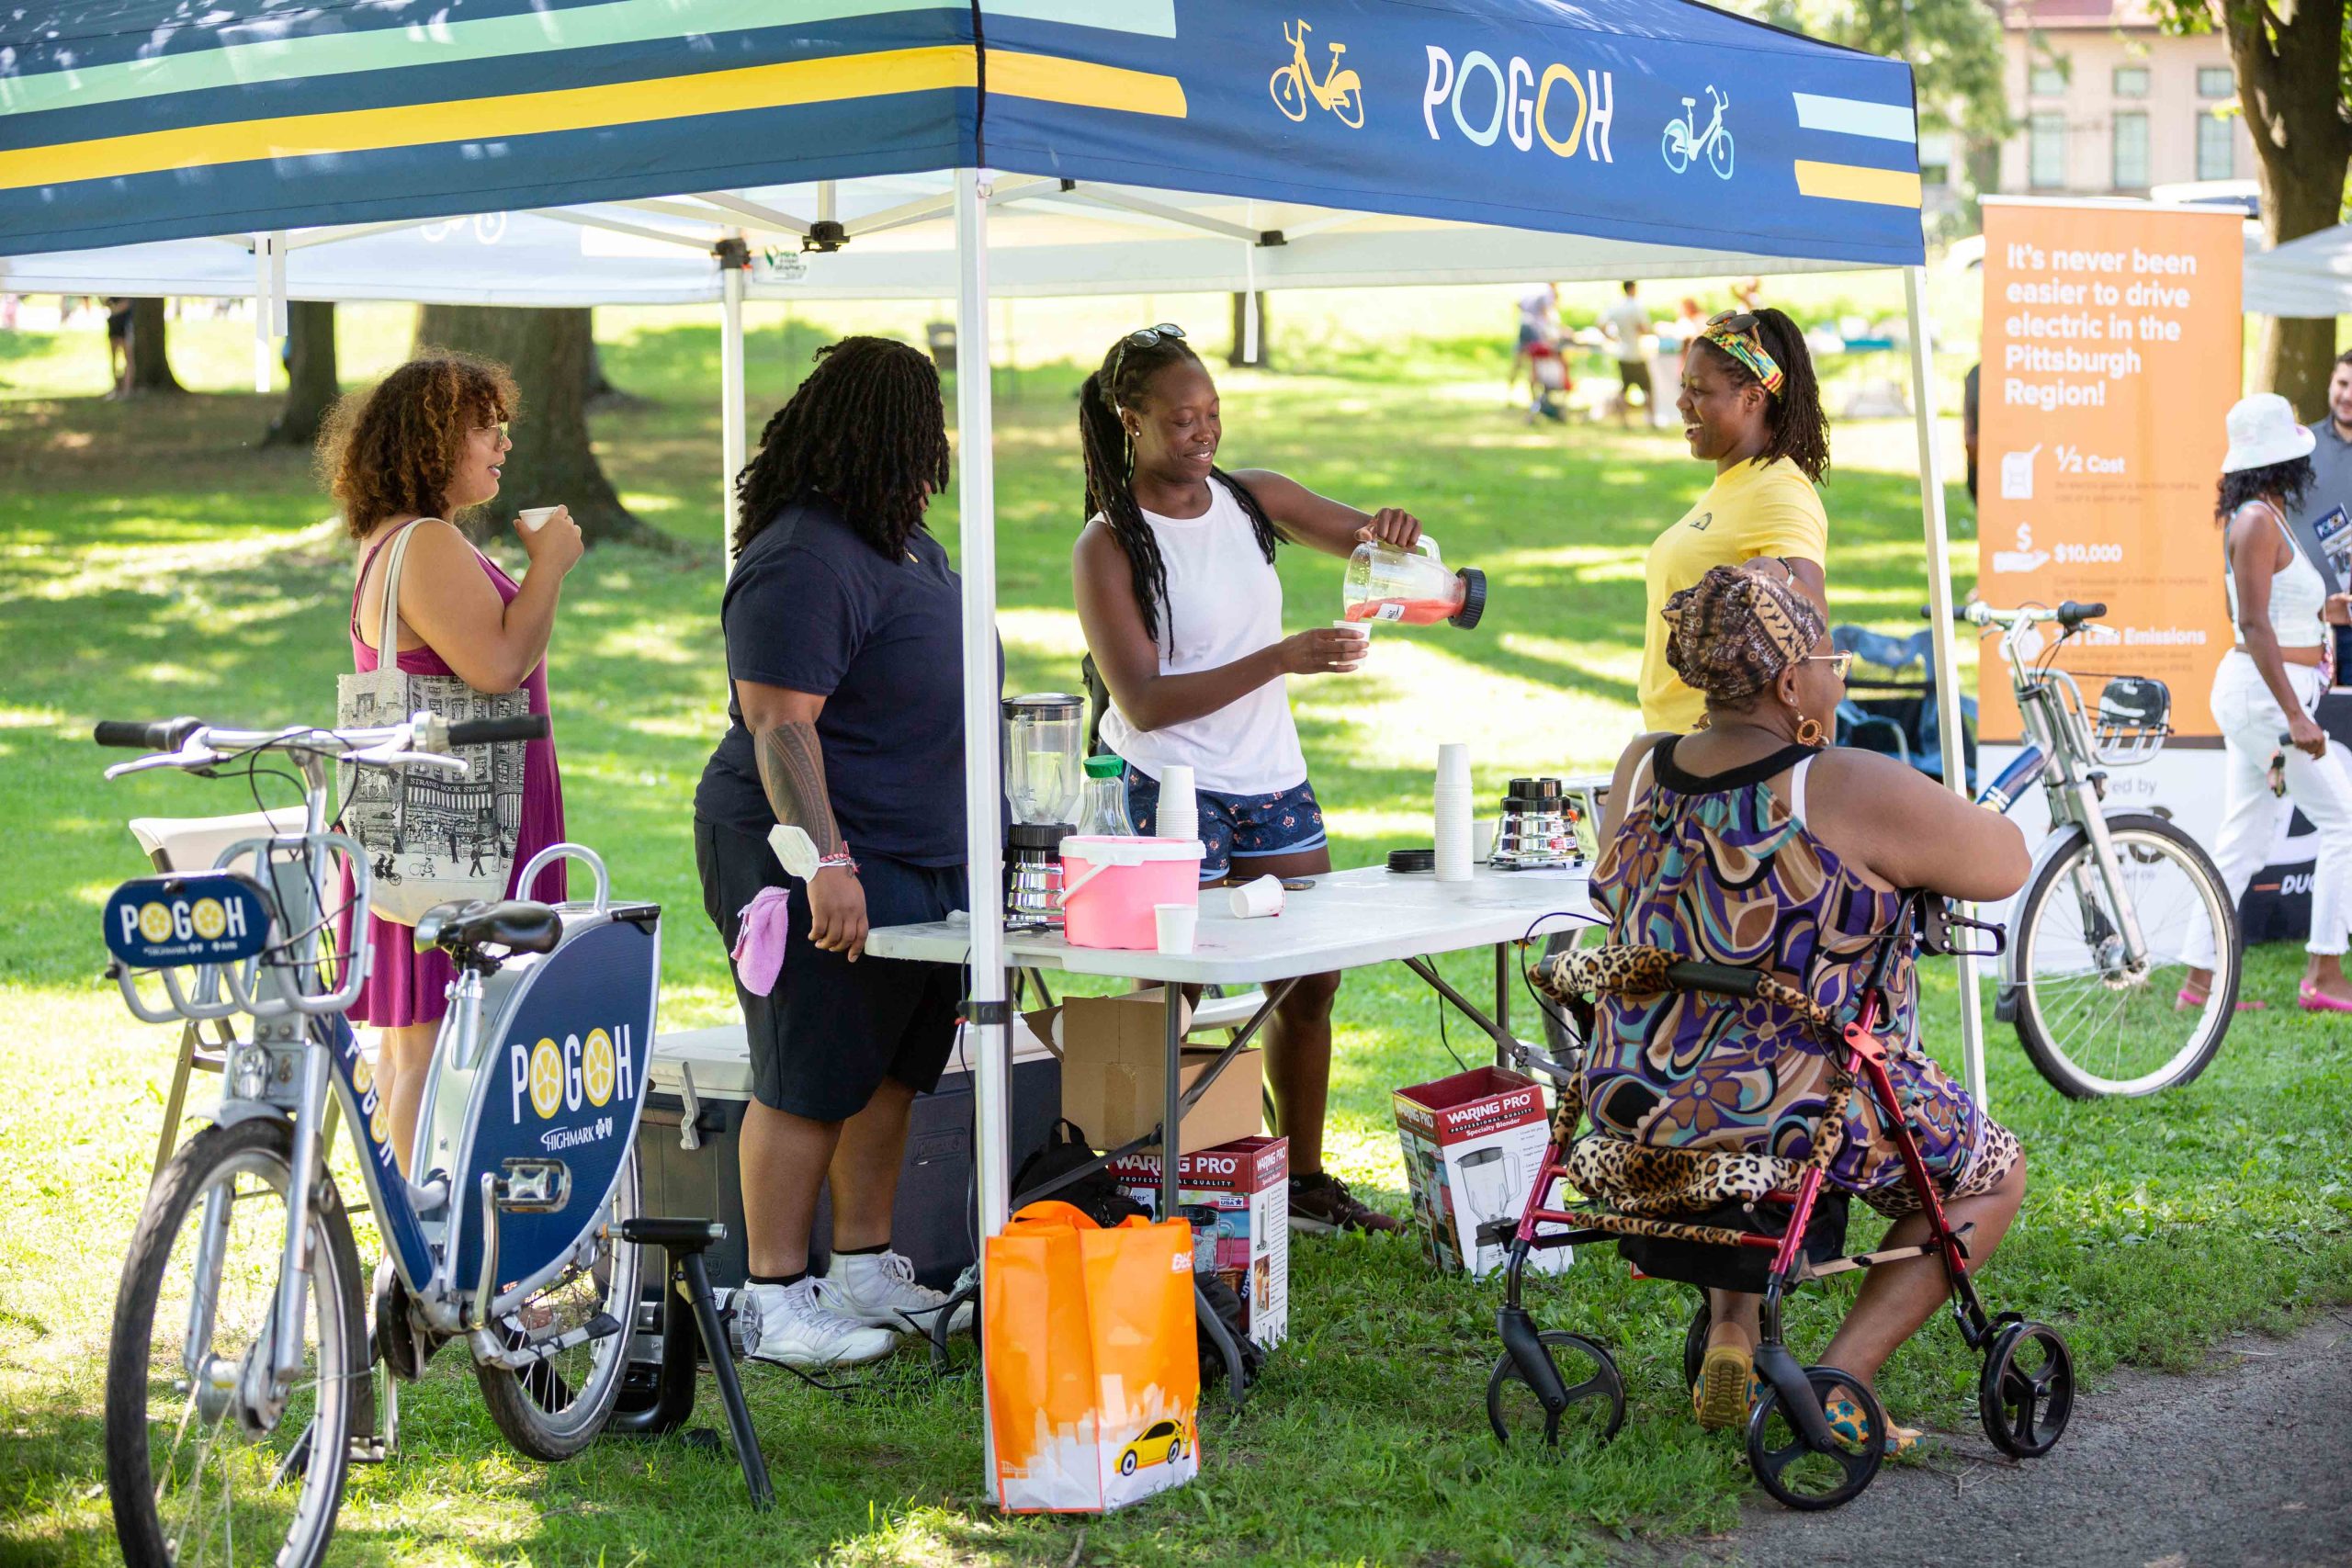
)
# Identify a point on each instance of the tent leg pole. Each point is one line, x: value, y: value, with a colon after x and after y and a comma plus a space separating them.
x: 1940, y: 616
x: 731, y: 454
x: 976, y: 504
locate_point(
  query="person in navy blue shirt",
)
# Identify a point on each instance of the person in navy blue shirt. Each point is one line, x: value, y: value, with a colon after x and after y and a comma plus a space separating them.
x: 845, y: 672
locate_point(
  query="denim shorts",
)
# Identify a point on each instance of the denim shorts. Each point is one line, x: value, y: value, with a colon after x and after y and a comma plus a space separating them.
x: 1236, y: 826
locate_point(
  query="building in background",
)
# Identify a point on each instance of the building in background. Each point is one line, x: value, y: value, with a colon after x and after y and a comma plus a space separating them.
x: 2107, y: 105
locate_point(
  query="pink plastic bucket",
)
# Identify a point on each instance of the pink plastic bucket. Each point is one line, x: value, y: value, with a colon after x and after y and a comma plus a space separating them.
x: 1108, y: 885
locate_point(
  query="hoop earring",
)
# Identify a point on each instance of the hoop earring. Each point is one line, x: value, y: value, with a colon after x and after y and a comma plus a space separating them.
x: 1809, y: 732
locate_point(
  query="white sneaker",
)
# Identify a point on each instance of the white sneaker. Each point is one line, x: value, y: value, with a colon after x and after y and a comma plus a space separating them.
x: 879, y: 1289
x: 798, y: 1328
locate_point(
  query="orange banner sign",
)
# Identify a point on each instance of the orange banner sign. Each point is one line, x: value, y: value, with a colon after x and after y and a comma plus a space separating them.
x: 2111, y: 354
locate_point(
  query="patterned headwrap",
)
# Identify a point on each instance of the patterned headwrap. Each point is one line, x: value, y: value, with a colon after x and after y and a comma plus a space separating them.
x: 1733, y: 632
x: 1735, y: 332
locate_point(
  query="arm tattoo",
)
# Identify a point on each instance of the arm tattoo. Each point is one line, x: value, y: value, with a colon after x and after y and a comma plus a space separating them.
x: 792, y: 770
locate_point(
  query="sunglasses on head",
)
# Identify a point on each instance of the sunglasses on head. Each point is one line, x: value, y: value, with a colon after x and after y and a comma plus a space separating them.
x: 1144, y: 337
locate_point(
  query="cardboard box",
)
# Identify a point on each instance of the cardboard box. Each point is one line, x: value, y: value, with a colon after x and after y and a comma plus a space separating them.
x: 1114, y: 1053
x: 1238, y: 1197
x: 1474, y: 1144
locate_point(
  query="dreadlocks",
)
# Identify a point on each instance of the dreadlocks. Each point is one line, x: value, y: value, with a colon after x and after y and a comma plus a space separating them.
x: 1799, y: 431
x: 866, y: 431
x: 1126, y: 371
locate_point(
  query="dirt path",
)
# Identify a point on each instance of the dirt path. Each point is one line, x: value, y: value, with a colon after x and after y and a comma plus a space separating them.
x: 2247, y: 1466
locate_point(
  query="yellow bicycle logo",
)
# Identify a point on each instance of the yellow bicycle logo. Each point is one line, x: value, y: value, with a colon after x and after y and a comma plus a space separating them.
x: 1340, y: 91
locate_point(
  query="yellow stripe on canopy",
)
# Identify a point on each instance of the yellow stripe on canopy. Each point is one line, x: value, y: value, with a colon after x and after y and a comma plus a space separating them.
x: 587, y: 109
x: 1849, y: 182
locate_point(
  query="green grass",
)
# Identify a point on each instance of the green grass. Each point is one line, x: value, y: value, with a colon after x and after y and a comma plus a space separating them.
x: 154, y: 564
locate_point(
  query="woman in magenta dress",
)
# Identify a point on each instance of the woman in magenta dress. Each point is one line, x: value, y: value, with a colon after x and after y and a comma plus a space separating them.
x: 422, y: 446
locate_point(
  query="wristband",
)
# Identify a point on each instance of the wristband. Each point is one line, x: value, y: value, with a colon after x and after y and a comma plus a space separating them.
x: 843, y: 860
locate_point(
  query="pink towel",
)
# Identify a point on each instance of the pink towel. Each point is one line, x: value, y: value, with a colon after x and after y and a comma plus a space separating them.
x: 765, y: 922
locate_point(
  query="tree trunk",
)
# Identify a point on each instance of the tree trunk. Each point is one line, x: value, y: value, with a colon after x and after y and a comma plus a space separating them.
x: 151, y: 367
x: 601, y: 395
x: 2289, y: 62
x: 311, y: 384
x: 551, y: 463
x: 1233, y: 355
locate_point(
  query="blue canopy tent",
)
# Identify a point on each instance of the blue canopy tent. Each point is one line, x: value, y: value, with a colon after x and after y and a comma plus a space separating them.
x: 1650, y: 128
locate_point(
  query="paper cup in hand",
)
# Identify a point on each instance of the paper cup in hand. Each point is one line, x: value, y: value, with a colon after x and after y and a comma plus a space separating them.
x: 1174, y: 925
x: 535, y: 518
x: 1251, y: 899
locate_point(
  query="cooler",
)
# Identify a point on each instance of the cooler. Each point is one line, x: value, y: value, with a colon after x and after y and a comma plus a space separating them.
x: 686, y: 1142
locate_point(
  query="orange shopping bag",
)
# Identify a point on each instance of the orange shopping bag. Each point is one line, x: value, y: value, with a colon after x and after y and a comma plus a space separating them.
x: 1093, y: 1370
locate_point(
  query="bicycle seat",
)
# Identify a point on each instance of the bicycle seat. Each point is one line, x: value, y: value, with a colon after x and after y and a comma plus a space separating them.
x: 462, y: 928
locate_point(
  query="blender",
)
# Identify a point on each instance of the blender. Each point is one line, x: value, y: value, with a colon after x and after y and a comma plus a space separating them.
x: 1413, y: 587
x: 1044, y: 736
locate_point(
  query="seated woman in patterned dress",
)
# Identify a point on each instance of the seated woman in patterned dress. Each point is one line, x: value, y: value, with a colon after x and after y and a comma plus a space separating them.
x: 1753, y: 843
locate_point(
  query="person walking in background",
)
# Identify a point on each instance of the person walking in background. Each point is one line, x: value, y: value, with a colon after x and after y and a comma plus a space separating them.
x: 2266, y: 690
x: 1539, y: 332
x: 119, y: 347
x: 1690, y: 321
x: 2322, y: 521
x: 843, y: 627
x: 1174, y: 577
x: 415, y: 451
x: 1627, y: 323
x: 1751, y: 406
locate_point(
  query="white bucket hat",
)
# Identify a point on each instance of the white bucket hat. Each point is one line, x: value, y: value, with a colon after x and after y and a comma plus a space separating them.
x: 2264, y: 430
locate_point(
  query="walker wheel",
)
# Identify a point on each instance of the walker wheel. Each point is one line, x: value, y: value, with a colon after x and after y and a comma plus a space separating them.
x: 1791, y: 1468
x: 2027, y: 1390
x: 1596, y: 1406
x: 1694, y: 1345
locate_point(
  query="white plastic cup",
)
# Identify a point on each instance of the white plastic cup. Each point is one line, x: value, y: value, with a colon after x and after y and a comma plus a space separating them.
x: 1358, y: 630
x: 1175, y: 924
x: 1178, y: 813
x: 535, y: 518
x: 1254, y: 900
x: 1482, y: 839
x: 1454, y: 766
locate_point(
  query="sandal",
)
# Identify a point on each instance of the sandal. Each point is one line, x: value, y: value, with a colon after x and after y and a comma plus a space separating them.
x: 2310, y: 999
x: 1846, y: 1419
x: 1726, y: 1385
x: 2188, y: 1001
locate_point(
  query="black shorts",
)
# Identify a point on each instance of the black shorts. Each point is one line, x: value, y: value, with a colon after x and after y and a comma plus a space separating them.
x: 1634, y: 373
x: 824, y: 1040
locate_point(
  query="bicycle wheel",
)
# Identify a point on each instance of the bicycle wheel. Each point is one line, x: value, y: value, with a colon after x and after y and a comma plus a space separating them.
x: 555, y: 1407
x: 2093, y: 1023
x: 195, y: 1472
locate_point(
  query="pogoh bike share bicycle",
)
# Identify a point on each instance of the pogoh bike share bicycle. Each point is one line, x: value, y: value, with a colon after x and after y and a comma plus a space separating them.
x: 240, y: 1380
x: 2120, y: 906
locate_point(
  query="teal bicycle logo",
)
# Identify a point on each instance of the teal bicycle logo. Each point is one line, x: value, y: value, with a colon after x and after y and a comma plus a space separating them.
x: 1685, y: 142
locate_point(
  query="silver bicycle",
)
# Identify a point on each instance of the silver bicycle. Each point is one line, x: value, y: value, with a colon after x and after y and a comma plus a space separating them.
x: 241, y: 1374
x: 2119, y: 905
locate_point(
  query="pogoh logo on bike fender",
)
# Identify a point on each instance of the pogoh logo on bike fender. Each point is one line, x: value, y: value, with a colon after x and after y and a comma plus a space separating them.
x: 567, y: 1079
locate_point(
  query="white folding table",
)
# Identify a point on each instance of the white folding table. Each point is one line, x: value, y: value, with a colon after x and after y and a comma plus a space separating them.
x: 1348, y: 919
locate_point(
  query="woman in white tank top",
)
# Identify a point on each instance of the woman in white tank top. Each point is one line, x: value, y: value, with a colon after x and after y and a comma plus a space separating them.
x: 2267, y: 687
x: 1175, y: 582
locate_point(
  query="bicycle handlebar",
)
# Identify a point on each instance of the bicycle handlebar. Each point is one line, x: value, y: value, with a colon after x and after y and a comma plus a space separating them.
x: 146, y: 735
x: 495, y: 731
x: 2070, y: 613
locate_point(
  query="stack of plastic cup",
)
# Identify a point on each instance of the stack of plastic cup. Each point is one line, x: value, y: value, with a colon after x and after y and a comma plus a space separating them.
x: 1179, y: 814
x: 1451, y: 812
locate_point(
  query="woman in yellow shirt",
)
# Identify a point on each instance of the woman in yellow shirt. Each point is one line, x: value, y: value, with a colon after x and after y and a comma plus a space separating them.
x: 1751, y: 406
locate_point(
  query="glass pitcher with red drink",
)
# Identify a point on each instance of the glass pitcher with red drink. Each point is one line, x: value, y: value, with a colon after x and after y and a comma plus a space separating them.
x: 1411, y: 588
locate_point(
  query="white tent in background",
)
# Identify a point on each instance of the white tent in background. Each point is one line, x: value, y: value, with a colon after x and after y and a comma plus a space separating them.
x: 2309, y: 277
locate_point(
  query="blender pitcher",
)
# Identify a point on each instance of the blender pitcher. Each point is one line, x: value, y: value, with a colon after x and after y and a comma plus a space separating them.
x: 1412, y: 587
x: 1044, y: 738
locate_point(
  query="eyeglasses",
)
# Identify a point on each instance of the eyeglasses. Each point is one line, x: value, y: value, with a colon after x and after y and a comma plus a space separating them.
x: 1838, y: 662
x: 1144, y: 337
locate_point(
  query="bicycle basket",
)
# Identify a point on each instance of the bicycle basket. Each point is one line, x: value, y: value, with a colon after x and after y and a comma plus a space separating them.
x: 2135, y: 717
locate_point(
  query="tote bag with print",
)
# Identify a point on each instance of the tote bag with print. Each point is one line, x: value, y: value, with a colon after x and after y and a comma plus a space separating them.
x: 431, y: 834
x: 1093, y: 1357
